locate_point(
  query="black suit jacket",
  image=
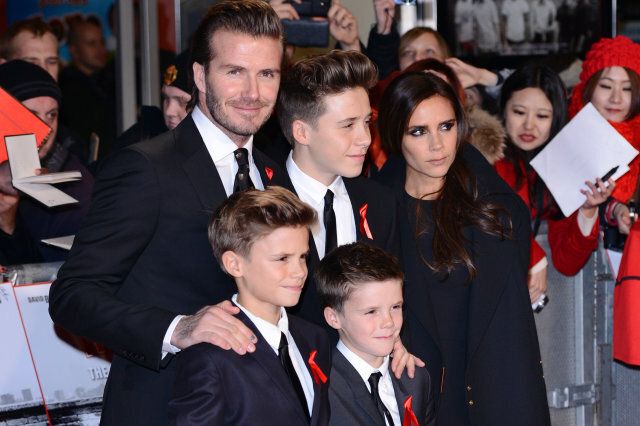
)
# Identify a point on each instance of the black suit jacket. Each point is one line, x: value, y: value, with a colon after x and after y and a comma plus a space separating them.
x: 218, y: 387
x: 141, y: 258
x: 504, y: 377
x: 351, y: 402
x: 381, y: 216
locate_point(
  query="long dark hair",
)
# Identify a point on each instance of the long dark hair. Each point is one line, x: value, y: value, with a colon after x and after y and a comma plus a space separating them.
x: 544, y: 78
x: 458, y: 204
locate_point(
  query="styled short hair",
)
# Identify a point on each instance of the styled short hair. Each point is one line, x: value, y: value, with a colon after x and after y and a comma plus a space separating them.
x: 306, y: 84
x: 634, y: 79
x: 247, y: 216
x: 252, y: 17
x: 36, y: 26
x: 349, y: 266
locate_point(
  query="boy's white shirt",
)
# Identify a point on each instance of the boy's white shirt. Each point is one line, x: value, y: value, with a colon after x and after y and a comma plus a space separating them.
x: 271, y: 334
x: 385, y: 386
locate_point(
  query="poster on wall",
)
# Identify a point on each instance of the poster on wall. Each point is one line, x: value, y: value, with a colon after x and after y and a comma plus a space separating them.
x: 523, y: 27
x: 60, y: 13
x: 70, y: 372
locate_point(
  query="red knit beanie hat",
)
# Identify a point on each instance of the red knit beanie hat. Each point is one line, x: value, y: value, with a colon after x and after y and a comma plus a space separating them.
x: 607, y: 52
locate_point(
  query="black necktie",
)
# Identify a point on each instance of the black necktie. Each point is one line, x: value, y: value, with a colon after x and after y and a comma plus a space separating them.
x: 242, y: 180
x: 374, y: 378
x: 329, y: 219
x: 285, y: 359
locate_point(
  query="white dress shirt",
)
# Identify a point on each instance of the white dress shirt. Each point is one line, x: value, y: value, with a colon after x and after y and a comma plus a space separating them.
x: 385, y: 385
x: 312, y: 192
x: 221, y: 149
x: 271, y: 334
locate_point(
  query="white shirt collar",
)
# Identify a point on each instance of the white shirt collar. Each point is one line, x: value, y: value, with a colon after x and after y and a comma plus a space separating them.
x: 217, y: 142
x: 270, y: 332
x: 313, y: 189
x: 363, y: 368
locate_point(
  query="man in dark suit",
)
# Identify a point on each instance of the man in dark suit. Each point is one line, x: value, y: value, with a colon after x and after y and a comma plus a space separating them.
x: 324, y: 112
x: 140, y: 278
x: 360, y: 290
x: 261, y: 239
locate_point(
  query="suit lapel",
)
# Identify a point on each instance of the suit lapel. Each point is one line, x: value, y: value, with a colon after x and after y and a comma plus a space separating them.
x: 359, y: 391
x: 358, y: 199
x: 486, y: 288
x: 401, y: 394
x: 305, y: 351
x: 266, y: 173
x: 198, y: 165
x: 268, y: 360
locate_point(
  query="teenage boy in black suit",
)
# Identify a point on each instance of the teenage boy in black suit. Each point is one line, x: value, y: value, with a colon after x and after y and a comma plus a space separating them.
x: 360, y: 289
x: 261, y: 239
x: 140, y: 278
x: 324, y: 112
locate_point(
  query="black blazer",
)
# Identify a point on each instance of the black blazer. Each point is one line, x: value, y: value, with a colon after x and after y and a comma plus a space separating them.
x: 141, y: 258
x: 381, y: 216
x: 218, y: 387
x: 505, y: 383
x: 351, y: 402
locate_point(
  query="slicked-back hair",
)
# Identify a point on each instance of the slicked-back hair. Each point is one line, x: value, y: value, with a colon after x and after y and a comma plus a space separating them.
x: 255, y: 18
x: 35, y: 26
x: 350, y: 266
x: 306, y: 84
x: 247, y: 216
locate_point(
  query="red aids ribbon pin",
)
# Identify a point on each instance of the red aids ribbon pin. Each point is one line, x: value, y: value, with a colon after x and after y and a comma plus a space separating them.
x: 364, y: 224
x: 269, y: 172
x: 318, y: 375
x: 409, y: 418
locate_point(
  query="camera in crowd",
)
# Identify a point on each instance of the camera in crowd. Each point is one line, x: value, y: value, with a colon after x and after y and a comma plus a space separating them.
x: 308, y: 31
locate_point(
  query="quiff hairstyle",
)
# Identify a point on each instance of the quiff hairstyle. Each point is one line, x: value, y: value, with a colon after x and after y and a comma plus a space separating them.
x: 255, y: 18
x: 310, y: 80
x: 350, y: 266
x: 249, y: 215
x: 35, y: 26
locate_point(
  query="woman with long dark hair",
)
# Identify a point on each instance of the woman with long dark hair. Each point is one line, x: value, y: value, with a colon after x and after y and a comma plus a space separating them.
x: 465, y: 246
x: 534, y: 104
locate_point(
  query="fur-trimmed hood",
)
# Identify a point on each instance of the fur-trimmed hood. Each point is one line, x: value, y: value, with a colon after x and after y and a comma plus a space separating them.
x: 487, y: 134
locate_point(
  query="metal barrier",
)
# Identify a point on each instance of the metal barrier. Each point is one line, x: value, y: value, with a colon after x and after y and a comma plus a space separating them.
x: 584, y: 385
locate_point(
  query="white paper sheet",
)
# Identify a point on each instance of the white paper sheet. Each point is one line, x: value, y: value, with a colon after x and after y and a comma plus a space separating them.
x: 63, y: 242
x: 24, y: 160
x: 586, y: 148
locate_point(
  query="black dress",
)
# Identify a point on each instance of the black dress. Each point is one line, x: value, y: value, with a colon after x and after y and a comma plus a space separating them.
x: 449, y: 302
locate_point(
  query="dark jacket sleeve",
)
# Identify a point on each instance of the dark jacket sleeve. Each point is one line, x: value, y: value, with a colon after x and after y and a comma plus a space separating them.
x: 198, y: 394
x: 382, y: 49
x: 121, y: 222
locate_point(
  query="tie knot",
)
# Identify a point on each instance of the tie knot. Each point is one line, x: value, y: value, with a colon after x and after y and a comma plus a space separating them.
x: 374, y: 379
x: 283, y: 341
x: 242, y: 156
x: 328, y: 198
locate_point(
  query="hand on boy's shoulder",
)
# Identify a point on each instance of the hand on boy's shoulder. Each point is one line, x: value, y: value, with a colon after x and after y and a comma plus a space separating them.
x: 402, y: 360
x: 216, y: 325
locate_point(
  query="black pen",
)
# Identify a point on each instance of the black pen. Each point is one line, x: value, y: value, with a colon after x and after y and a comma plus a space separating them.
x: 609, y: 174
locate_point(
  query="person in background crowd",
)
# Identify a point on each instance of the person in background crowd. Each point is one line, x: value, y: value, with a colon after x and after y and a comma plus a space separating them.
x: 177, y: 84
x: 465, y: 247
x: 610, y: 80
x: 88, y: 106
x: 31, y: 40
x: 534, y: 105
x: 140, y: 278
x: 23, y: 220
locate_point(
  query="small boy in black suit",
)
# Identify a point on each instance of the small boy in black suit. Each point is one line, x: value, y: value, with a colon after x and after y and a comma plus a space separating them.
x: 360, y: 290
x: 260, y: 238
